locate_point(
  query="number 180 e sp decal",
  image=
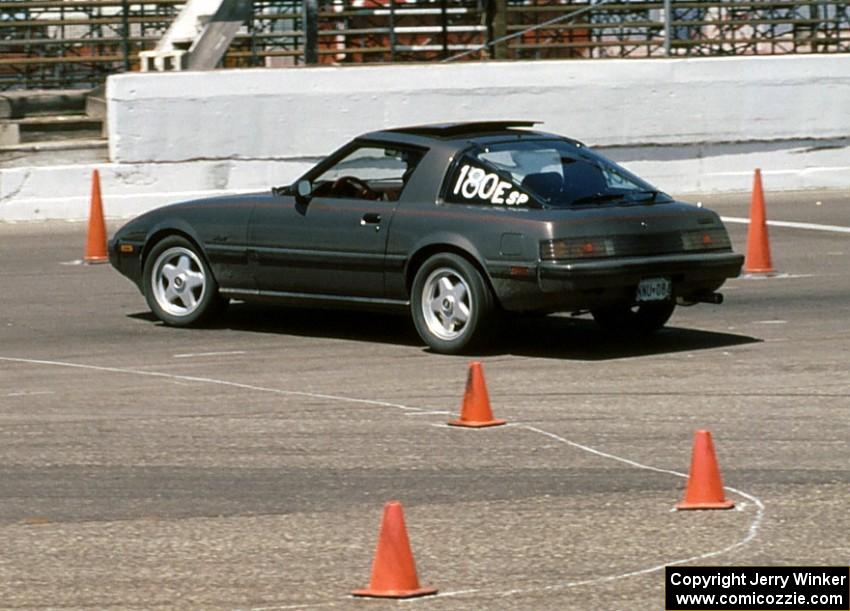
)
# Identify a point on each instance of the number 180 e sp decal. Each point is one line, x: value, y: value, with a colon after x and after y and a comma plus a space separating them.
x: 475, y: 184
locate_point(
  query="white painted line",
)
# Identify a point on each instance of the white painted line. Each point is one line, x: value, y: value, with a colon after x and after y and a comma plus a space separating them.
x: 631, y: 463
x: 30, y: 393
x: 182, y: 378
x: 751, y: 533
x: 434, y: 413
x: 301, y: 606
x: 790, y: 224
x: 770, y: 322
x: 196, y: 354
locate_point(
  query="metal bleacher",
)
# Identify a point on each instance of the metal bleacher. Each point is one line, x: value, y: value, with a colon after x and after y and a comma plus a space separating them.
x: 73, y: 44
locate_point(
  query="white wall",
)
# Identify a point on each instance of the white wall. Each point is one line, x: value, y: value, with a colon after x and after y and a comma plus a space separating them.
x: 64, y: 192
x: 687, y: 126
x: 274, y: 113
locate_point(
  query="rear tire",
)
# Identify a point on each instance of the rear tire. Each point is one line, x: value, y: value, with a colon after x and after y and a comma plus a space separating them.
x: 452, y: 306
x: 634, y: 320
x: 179, y: 286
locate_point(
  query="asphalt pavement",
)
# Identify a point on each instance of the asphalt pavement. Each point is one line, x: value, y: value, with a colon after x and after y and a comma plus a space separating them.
x: 246, y: 465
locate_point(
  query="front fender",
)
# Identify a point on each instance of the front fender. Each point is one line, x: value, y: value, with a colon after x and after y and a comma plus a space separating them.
x: 167, y: 227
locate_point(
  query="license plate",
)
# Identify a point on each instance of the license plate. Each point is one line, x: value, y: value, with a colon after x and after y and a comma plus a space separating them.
x: 654, y: 289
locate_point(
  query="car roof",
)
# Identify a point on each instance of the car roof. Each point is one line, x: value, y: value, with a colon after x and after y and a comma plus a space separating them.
x: 470, y: 131
x: 470, y: 128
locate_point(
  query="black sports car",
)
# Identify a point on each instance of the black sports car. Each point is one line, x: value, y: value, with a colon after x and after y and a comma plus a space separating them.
x: 456, y: 223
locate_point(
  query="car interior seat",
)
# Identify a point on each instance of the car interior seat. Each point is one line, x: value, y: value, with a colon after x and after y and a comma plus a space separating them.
x: 582, y: 178
x: 545, y: 184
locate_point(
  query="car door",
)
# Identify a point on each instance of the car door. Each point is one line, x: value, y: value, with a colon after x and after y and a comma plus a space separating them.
x: 333, y: 243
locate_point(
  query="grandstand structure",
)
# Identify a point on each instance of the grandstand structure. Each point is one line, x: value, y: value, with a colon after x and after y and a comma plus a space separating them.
x: 76, y: 44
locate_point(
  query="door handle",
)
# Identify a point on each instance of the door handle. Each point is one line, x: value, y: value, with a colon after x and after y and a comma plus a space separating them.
x: 370, y: 218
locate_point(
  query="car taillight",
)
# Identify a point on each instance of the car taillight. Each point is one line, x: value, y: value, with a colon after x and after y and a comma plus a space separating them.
x: 706, y: 239
x: 576, y: 248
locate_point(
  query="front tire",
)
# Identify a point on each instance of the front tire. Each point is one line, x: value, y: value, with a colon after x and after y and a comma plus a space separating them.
x: 634, y: 320
x: 451, y: 304
x: 179, y: 286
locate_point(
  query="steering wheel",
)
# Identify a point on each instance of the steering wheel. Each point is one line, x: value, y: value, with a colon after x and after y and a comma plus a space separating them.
x: 353, y: 187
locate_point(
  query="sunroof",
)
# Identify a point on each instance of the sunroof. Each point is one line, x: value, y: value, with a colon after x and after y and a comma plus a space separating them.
x: 444, y: 130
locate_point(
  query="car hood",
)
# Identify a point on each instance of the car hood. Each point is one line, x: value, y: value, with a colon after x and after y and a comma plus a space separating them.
x: 189, y: 215
x: 220, y: 201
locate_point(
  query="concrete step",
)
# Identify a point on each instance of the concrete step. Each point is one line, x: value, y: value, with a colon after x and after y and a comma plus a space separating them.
x: 54, y: 153
x: 20, y: 104
x: 49, y: 128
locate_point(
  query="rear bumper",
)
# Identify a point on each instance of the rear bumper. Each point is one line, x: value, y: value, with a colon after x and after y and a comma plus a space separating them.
x: 580, y: 285
x: 684, y: 269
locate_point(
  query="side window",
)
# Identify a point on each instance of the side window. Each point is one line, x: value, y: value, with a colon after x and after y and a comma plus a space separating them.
x: 368, y: 172
x: 616, y: 180
x: 471, y: 182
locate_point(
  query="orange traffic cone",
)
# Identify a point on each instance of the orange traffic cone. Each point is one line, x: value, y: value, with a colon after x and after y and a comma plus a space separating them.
x: 393, y: 569
x: 758, y: 246
x: 476, y: 412
x: 96, y: 240
x: 705, y: 488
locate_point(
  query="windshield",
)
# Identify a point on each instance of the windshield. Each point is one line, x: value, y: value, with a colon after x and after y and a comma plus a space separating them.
x: 565, y: 174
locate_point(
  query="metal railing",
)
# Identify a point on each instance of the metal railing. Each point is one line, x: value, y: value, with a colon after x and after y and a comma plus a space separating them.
x: 77, y: 43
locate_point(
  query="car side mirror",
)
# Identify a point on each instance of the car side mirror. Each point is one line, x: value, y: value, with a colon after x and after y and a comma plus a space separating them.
x: 303, y: 191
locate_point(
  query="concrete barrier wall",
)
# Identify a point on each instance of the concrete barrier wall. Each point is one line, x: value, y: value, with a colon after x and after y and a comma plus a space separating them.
x: 687, y: 126
x: 282, y: 113
x: 64, y: 192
